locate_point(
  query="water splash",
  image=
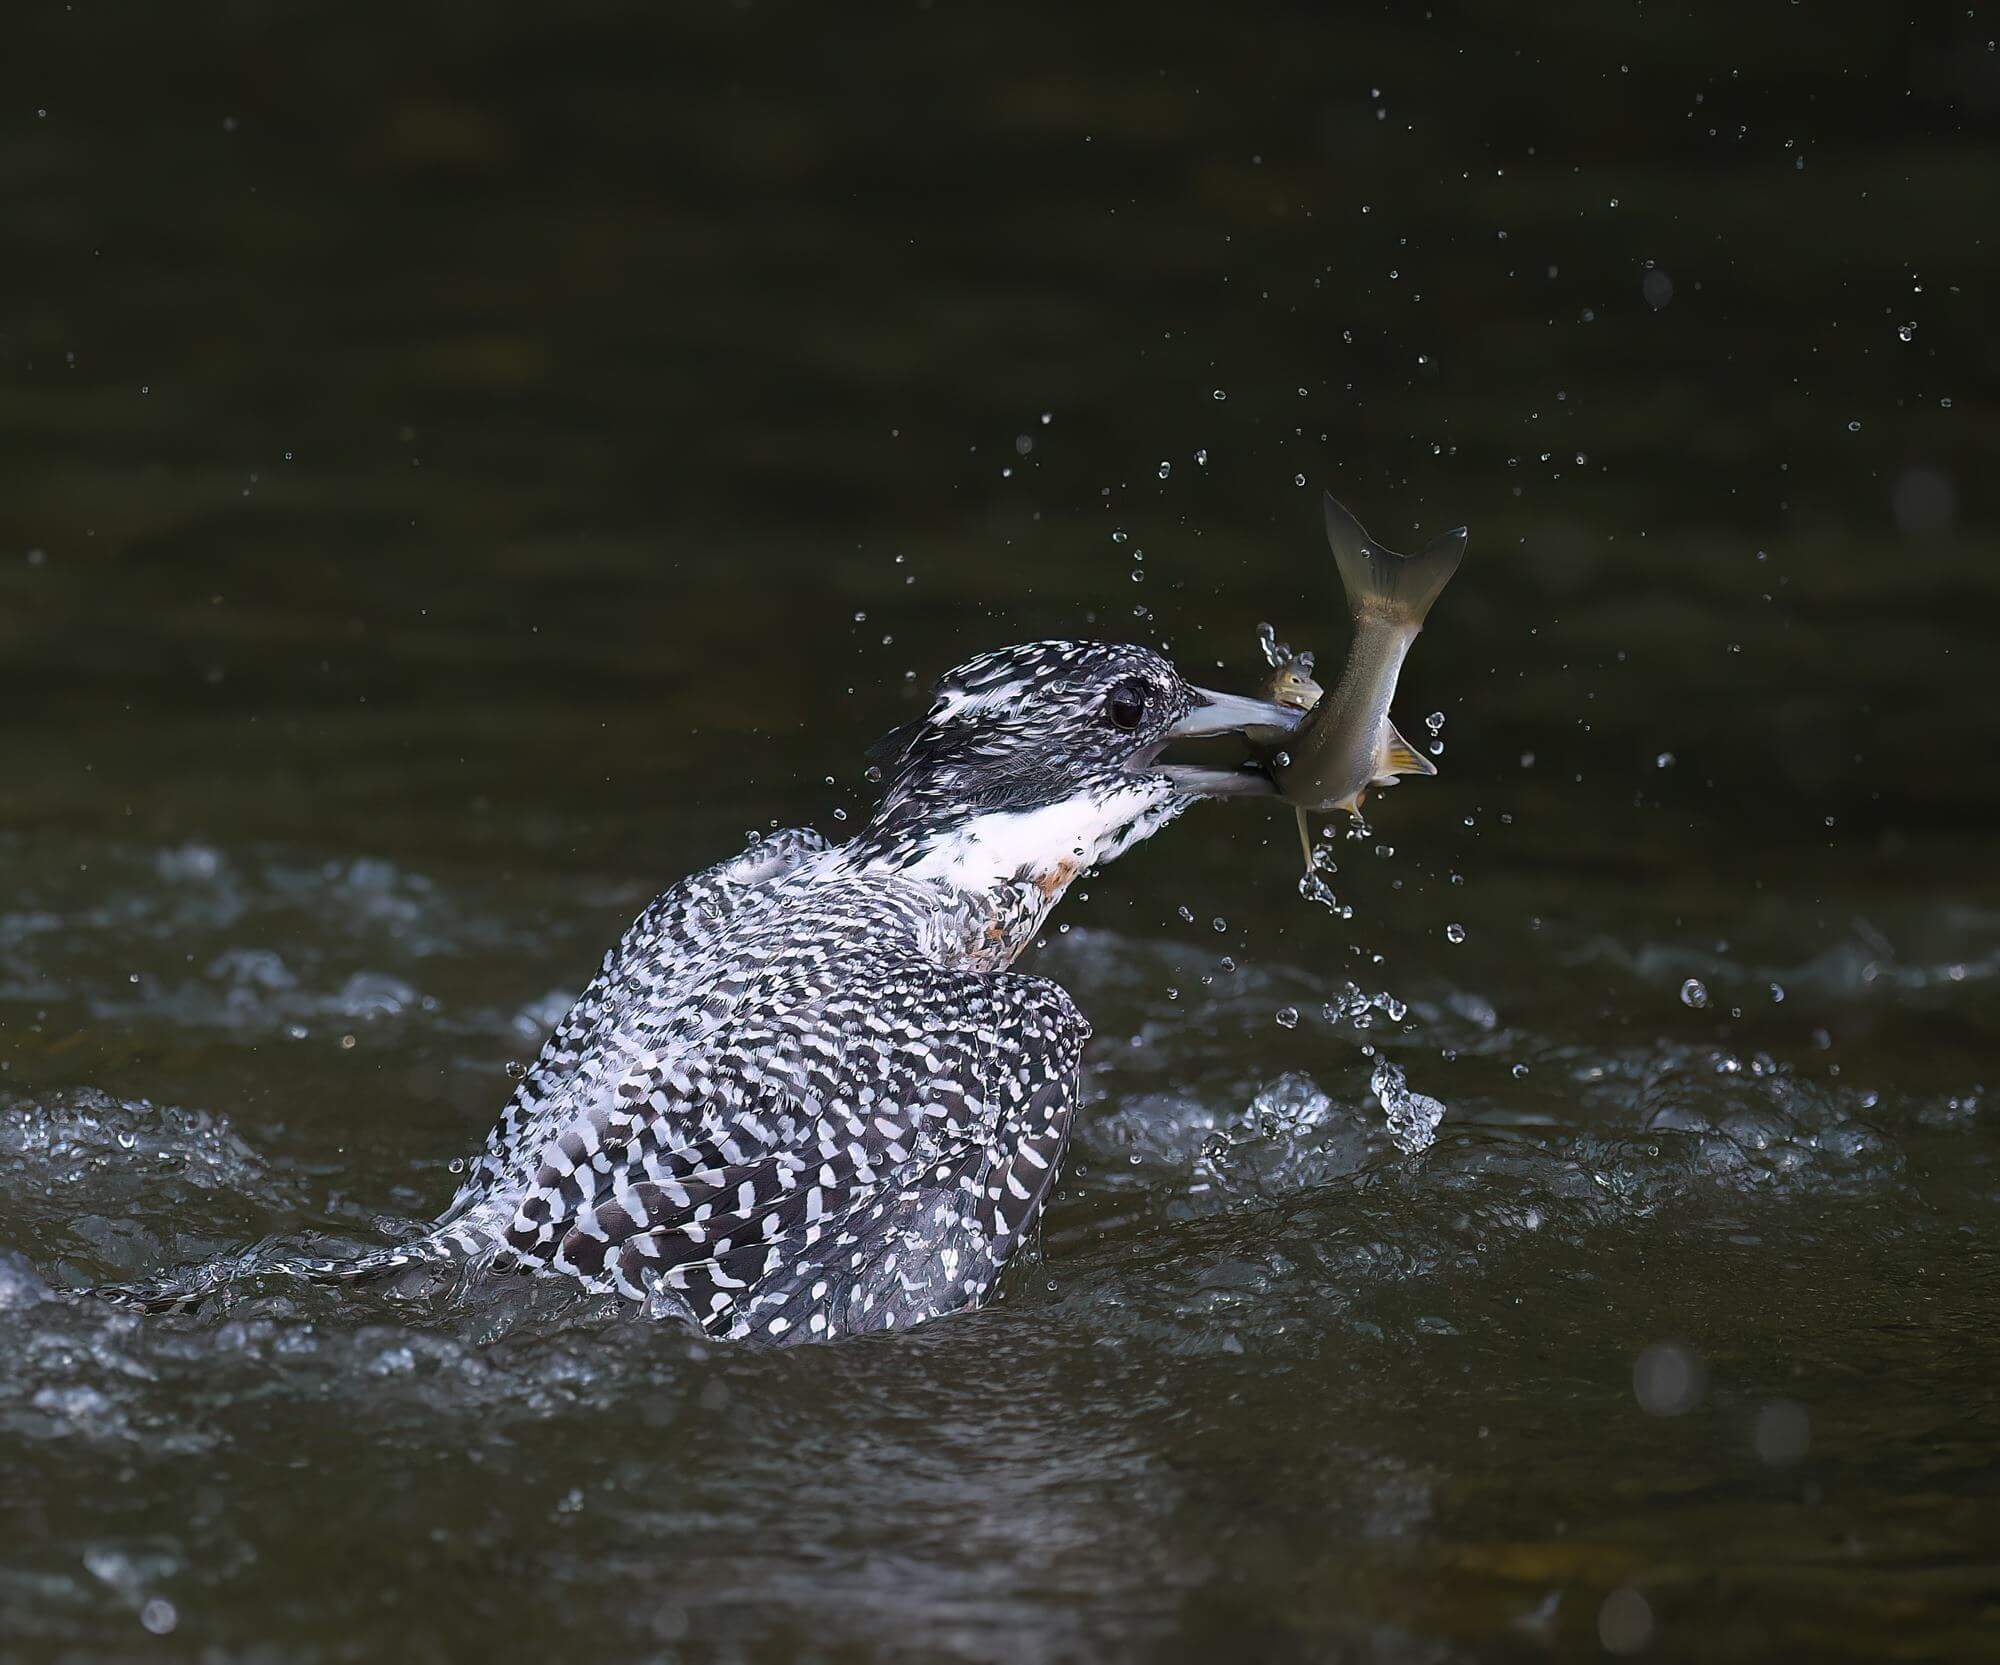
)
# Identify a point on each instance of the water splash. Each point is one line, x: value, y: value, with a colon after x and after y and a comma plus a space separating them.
x: 1413, y: 1116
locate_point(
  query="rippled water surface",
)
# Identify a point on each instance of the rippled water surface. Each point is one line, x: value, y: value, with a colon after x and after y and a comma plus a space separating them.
x: 454, y: 487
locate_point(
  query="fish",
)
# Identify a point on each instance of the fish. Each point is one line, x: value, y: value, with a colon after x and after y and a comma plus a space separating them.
x: 1347, y: 744
x: 1291, y: 680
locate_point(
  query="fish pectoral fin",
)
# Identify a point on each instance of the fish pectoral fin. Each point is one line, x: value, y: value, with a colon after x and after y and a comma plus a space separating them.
x: 1399, y: 757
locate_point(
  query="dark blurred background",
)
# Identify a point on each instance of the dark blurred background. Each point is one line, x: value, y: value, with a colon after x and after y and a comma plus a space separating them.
x: 422, y: 417
x: 463, y: 465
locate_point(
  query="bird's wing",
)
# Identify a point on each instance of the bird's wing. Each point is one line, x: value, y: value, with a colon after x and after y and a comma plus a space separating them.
x: 677, y: 927
x: 869, y: 1159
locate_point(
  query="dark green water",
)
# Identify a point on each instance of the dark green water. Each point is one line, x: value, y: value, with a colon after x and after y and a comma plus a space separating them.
x: 464, y: 467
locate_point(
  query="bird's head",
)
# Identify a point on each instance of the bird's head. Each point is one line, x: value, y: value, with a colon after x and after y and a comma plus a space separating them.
x: 1041, y: 761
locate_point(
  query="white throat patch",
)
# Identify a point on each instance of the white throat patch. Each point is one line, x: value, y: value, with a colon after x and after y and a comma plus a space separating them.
x: 1052, y: 844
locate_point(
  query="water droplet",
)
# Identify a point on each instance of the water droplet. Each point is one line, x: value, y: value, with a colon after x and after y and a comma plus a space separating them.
x: 1315, y: 889
x: 1288, y: 1017
x: 1218, y: 924
x: 1625, y: 1622
x: 1435, y: 722
x: 1413, y: 1116
x: 1694, y: 994
x: 1906, y: 332
x: 1777, y: 994
x: 1219, y: 395
x: 1664, y: 761
x: 1186, y: 913
x: 1854, y: 427
x: 1201, y: 457
x: 1667, y: 1379
x: 1166, y: 468
x: 1298, y: 479
x: 1454, y: 933
x: 840, y: 815
x: 1783, y: 1433
x: 1519, y: 1072
x: 872, y: 774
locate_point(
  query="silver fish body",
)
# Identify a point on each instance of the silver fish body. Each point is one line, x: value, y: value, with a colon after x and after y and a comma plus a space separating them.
x: 1347, y: 743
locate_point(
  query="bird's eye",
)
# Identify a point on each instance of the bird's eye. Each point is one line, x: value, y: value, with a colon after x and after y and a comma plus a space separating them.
x: 1126, y: 704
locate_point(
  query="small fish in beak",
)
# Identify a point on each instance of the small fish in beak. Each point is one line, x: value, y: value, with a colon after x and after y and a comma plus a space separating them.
x: 1346, y: 744
x: 1291, y: 679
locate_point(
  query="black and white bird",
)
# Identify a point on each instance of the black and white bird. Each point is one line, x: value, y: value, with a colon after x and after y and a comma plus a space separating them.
x: 804, y: 1096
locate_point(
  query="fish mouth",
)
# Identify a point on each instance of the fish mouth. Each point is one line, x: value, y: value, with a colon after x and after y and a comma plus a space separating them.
x: 1211, y: 716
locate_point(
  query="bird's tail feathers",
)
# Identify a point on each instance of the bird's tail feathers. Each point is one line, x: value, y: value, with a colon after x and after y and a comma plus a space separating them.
x: 187, y: 1288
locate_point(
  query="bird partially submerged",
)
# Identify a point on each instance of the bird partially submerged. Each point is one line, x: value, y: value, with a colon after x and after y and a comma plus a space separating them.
x: 804, y: 1096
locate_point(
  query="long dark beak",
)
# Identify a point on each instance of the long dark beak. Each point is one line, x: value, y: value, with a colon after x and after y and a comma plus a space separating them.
x: 1214, y: 713
x: 1210, y: 714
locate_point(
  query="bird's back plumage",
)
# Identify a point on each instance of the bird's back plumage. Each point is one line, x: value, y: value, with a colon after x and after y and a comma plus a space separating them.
x: 797, y: 1099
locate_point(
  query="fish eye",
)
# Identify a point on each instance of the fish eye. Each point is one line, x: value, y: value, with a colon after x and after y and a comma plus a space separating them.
x: 1126, y: 704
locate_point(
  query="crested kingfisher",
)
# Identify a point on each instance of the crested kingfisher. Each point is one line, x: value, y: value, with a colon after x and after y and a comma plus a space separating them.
x: 804, y: 1095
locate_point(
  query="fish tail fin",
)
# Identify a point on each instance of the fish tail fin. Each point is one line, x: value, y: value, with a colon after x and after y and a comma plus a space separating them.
x: 1378, y: 580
